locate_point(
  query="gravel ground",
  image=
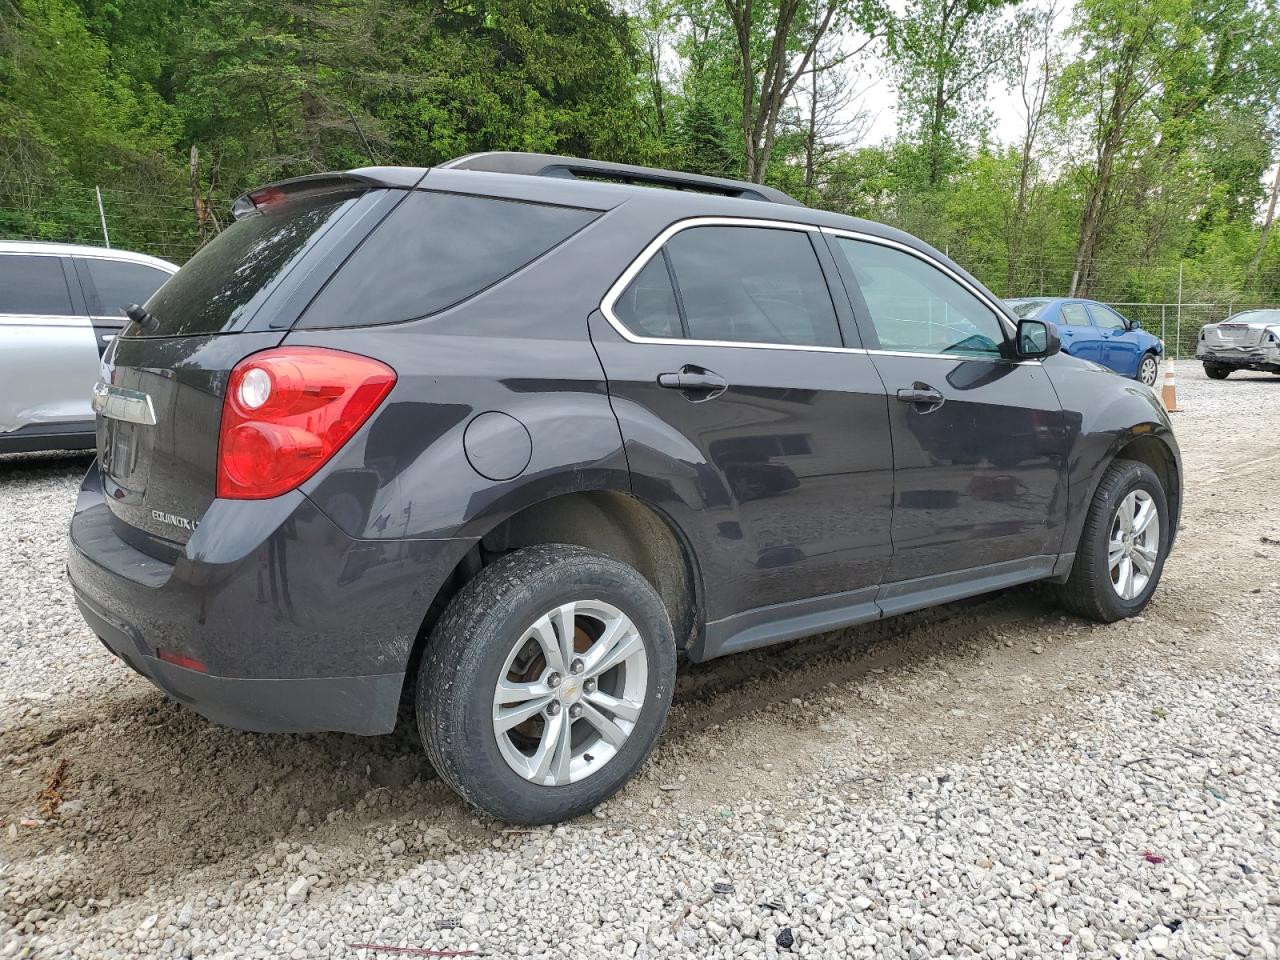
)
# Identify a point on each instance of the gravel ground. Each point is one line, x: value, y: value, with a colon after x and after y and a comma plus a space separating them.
x: 988, y: 779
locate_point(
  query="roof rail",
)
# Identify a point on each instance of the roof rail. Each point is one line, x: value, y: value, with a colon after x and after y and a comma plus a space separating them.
x: 572, y: 168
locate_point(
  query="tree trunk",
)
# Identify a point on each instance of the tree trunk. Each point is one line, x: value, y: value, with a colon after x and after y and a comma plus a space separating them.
x: 1267, y: 223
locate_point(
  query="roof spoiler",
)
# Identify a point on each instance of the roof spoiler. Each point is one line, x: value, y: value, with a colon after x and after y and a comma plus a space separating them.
x: 262, y: 198
x: 573, y: 168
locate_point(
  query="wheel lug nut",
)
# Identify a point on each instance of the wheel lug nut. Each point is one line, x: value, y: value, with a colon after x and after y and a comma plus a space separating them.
x: 553, y: 708
x: 577, y: 666
x: 553, y: 680
x: 575, y: 711
x: 589, y: 686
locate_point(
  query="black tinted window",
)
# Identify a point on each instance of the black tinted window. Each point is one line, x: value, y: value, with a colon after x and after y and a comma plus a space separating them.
x: 916, y: 308
x: 648, y: 306
x: 119, y: 284
x: 228, y: 280
x: 435, y: 250
x: 753, y: 285
x: 33, y: 286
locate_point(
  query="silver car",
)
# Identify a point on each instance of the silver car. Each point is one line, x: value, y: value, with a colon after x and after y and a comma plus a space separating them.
x: 60, y: 305
x: 1249, y: 340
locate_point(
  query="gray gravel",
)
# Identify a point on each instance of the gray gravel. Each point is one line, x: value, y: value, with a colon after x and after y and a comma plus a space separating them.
x: 988, y: 780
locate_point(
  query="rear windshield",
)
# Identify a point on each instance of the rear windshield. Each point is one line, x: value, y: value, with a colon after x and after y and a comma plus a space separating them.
x: 436, y: 250
x: 1027, y: 309
x: 1255, y: 316
x: 228, y: 280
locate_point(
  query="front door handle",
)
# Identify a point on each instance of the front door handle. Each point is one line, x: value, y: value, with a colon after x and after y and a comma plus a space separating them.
x: 697, y: 382
x: 922, y: 395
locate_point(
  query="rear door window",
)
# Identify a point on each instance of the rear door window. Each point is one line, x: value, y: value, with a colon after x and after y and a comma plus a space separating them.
x: 753, y: 285
x: 436, y: 250
x: 34, y: 286
x: 1074, y: 315
x: 119, y: 283
x: 223, y: 285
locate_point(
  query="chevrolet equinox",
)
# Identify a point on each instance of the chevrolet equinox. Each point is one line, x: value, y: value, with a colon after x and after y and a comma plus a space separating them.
x: 508, y: 437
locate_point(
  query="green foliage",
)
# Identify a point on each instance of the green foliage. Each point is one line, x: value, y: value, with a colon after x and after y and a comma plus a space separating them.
x: 1156, y: 123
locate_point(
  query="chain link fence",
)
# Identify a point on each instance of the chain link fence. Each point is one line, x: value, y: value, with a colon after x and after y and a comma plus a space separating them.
x: 174, y: 226
x: 163, y: 224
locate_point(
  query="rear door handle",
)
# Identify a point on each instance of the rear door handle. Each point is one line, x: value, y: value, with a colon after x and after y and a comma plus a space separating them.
x: 922, y: 395
x: 705, y: 384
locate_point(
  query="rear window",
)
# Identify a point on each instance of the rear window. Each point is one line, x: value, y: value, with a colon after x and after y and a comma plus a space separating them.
x: 1027, y: 309
x: 436, y: 250
x: 228, y: 280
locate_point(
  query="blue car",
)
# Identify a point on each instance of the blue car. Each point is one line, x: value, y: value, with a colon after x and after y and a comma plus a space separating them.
x: 1094, y: 331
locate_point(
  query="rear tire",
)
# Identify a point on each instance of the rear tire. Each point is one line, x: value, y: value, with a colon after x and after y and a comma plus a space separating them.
x: 526, y: 729
x: 1215, y: 372
x: 1097, y: 587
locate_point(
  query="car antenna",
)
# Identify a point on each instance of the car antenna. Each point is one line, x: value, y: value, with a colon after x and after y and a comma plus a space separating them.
x: 139, y: 315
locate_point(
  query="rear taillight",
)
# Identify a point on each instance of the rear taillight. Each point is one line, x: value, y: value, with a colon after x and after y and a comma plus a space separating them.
x: 287, y: 411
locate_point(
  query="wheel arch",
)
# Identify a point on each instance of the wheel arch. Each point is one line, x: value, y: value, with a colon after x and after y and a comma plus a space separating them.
x: 1146, y: 443
x: 613, y: 522
x: 1156, y: 454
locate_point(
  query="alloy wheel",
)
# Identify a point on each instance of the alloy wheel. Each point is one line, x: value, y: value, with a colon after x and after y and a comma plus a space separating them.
x: 570, y: 692
x: 1147, y: 372
x: 1134, y: 544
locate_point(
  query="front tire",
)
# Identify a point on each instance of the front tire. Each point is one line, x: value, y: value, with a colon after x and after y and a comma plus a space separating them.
x: 546, y: 683
x: 1122, y: 547
x: 1215, y: 372
x: 1148, y: 370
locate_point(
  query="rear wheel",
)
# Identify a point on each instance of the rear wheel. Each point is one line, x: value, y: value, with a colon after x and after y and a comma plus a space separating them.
x: 1123, y: 546
x: 1215, y: 372
x: 546, y: 683
x: 1148, y: 369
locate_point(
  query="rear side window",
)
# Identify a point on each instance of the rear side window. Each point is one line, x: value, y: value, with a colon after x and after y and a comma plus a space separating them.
x: 1074, y: 315
x: 34, y: 286
x: 648, y: 306
x: 119, y: 283
x: 229, y: 279
x: 436, y: 250
x: 753, y: 285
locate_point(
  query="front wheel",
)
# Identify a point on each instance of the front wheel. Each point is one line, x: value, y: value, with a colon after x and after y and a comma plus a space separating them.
x: 546, y: 683
x: 1123, y: 546
x: 1215, y: 372
x: 1148, y: 369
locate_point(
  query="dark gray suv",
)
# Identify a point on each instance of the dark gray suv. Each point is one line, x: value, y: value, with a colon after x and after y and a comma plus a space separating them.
x: 510, y: 435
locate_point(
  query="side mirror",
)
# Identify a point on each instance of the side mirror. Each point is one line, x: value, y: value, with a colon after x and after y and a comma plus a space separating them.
x: 1036, y: 339
x: 1135, y: 324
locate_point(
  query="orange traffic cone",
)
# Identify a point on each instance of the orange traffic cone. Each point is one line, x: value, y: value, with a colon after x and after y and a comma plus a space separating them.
x: 1169, y: 392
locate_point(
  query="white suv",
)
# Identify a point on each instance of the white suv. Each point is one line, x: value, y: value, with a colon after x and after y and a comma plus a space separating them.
x: 60, y: 305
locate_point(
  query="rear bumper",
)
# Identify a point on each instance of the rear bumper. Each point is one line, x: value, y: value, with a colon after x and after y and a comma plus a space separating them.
x: 364, y: 705
x: 1257, y: 359
x: 298, y: 626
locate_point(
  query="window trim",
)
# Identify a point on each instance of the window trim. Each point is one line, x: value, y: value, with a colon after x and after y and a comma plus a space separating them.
x: 656, y: 245
x: 1006, y: 324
